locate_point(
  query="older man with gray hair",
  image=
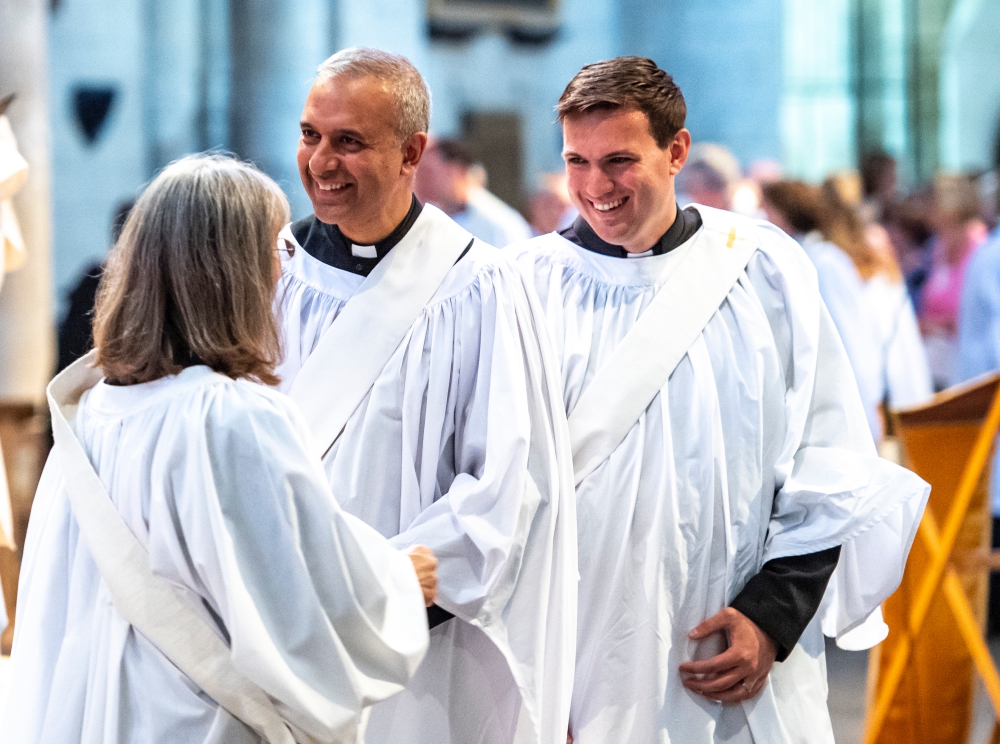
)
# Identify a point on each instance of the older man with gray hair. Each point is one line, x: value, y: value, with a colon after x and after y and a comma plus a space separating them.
x: 413, y: 350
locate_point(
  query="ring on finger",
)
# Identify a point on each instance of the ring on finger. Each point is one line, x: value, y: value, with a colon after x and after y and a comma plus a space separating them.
x: 747, y: 687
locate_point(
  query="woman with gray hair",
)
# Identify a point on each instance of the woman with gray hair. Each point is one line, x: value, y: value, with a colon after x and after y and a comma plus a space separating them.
x: 188, y: 576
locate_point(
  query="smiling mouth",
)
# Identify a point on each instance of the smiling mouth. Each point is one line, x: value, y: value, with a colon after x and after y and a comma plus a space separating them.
x: 332, y: 186
x: 609, y: 206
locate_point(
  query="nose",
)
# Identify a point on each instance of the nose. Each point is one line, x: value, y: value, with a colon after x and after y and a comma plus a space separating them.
x: 324, y: 160
x: 598, y: 183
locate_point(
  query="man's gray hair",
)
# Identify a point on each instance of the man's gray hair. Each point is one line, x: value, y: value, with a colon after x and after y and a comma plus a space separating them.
x: 400, y: 78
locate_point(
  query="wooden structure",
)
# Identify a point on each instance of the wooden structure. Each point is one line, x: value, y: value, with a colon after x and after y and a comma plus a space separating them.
x: 925, y: 670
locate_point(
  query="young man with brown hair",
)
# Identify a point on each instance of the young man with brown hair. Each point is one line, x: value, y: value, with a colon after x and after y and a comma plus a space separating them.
x: 723, y: 462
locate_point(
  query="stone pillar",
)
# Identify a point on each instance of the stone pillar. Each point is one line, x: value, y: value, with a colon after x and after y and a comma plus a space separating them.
x: 970, y: 96
x: 173, y: 104
x: 276, y: 47
x: 818, y: 118
x: 186, y: 97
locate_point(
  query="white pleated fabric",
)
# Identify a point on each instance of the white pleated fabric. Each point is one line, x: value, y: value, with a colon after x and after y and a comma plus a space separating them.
x: 756, y: 448
x: 461, y: 445
x: 879, y: 329
x: 213, y: 478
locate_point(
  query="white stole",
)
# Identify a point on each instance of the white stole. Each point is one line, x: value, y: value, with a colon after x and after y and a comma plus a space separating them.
x: 356, y: 348
x: 164, y: 613
x: 640, y: 366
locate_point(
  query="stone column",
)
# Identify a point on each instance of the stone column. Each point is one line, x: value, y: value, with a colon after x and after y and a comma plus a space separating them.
x: 276, y: 47
x: 970, y: 96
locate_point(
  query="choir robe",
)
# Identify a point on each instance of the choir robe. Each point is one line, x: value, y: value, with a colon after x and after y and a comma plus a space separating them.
x: 757, y: 448
x: 216, y: 479
x: 460, y: 445
x: 879, y: 329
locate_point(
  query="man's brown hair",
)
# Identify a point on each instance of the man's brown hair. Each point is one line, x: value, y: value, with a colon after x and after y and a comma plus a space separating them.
x: 191, y: 279
x: 627, y: 83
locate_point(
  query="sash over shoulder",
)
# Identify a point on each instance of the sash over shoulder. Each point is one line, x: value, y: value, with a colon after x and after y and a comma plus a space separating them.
x: 355, y: 349
x: 637, y: 370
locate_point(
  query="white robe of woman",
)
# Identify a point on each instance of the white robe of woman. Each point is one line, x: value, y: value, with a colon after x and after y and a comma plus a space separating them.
x: 879, y: 329
x: 214, y: 478
x: 756, y: 448
x: 457, y: 447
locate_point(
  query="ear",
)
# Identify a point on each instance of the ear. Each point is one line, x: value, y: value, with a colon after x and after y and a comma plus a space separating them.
x: 413, y: 149
x: 679, y: 148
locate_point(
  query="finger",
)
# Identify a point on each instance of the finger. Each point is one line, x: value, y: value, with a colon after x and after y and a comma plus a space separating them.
x: 731, y: 696
x: 728, y: 659
x: 718, y: 621
x: 715, y: 684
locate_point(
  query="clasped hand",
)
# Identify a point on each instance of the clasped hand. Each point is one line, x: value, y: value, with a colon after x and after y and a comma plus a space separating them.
x: 425, y: 564
x: 739, y: 672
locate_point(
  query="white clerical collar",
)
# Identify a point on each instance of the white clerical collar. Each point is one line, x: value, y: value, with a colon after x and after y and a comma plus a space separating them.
x: 364, y: 251
x: 641, y: 255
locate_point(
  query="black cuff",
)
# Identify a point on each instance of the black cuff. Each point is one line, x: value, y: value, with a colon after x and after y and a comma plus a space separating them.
x: 783, y: 598
x: 437, y: 615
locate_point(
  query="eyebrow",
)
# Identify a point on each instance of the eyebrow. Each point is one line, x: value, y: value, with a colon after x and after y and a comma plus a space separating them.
x: 615, y: 154
x: 349, y: 132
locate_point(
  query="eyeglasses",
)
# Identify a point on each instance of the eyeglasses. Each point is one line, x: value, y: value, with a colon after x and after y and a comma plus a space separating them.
x: 285, y: 247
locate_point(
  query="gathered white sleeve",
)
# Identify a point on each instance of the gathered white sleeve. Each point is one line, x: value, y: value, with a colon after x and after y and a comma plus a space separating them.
x: 479, y: 525
x: 319, y: 610
x: 831, y: 487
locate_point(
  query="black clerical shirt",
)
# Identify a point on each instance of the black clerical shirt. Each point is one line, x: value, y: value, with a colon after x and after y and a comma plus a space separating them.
x: 327, y: 244
x: 783, y: 598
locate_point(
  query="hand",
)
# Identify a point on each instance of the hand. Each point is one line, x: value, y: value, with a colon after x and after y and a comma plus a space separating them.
x: 425, y: 564
x: 739, y: 672
x: 569, y: 737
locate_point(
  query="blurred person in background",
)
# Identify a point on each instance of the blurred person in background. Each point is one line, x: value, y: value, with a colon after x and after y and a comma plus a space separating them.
x: 447, y: 179
x: 75, y: 336
x: 958, y: 232
x: 549, y: 208
x: 908, y: 224
x: 879, y: 183
x: 863, y: 289
x: 709, y: 178
x: 515, y: 226
x: 13, y: 175
x: 979, y: 354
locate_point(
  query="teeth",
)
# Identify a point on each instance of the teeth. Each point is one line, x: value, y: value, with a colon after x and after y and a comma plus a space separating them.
x: 331, y: 187
x: 611, y: 205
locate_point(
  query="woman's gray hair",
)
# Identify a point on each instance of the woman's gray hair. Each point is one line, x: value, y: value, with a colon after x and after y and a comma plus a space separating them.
x: 191, y: 279
x: 400, y: 78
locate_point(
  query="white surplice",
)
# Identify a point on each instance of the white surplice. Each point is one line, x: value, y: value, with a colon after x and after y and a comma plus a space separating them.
x: 756, y: 448
x: 461, y: 445
x: 879, y: 329
x: 216, y: 479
